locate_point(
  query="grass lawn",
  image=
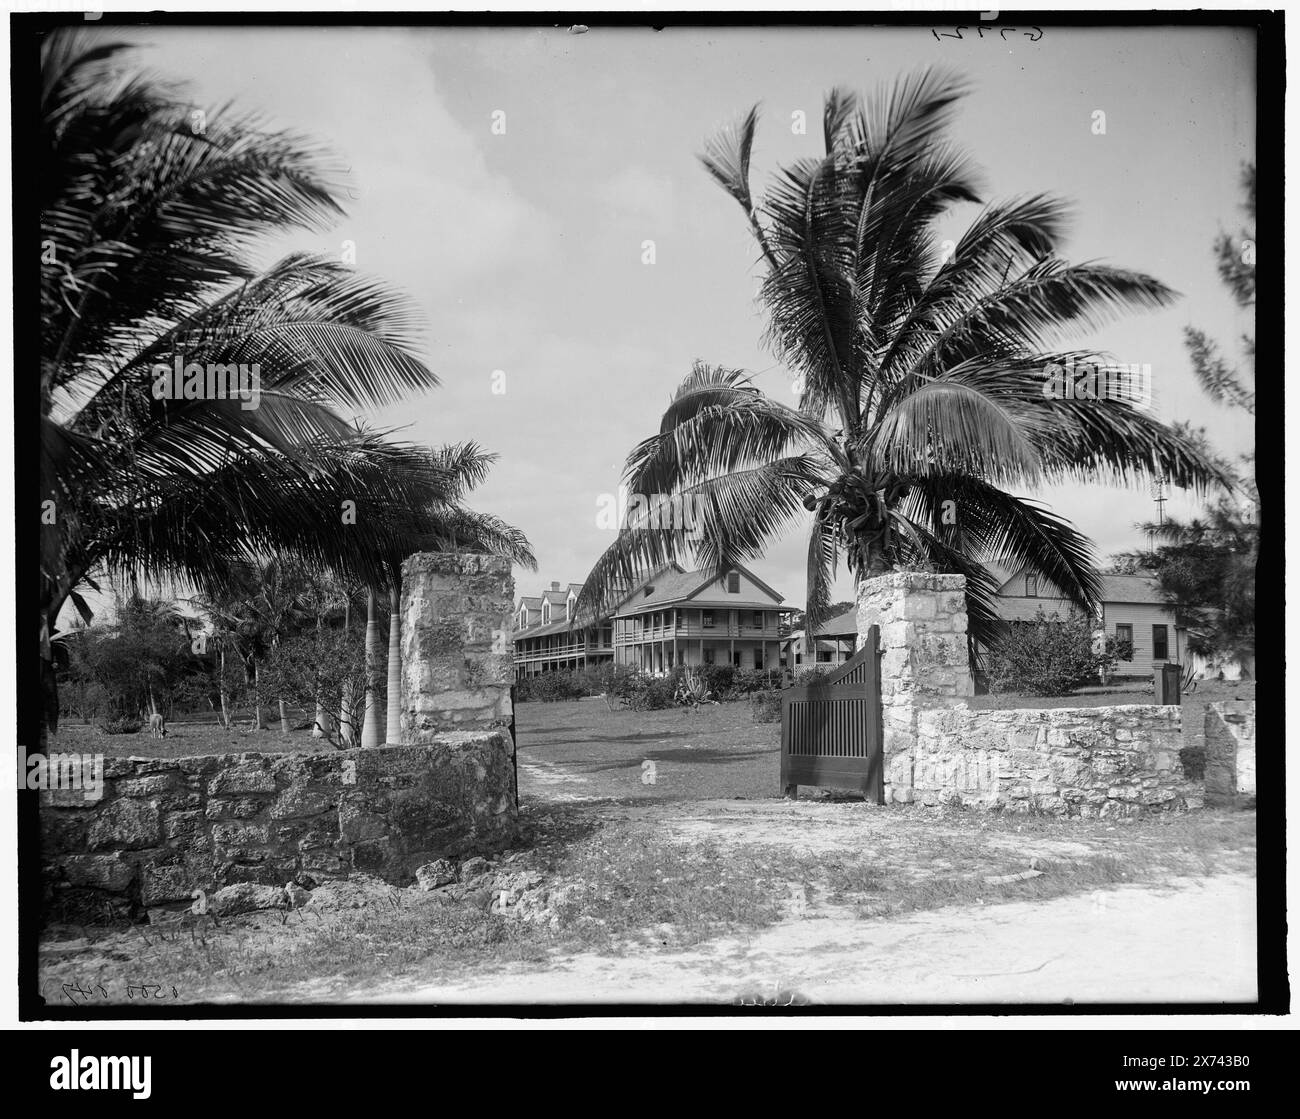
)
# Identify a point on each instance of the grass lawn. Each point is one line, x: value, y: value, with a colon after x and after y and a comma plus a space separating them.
x: 580, y: 750
x: 189, y: 738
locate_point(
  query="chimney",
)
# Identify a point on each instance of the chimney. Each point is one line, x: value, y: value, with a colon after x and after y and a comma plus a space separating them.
x: 555, y: 586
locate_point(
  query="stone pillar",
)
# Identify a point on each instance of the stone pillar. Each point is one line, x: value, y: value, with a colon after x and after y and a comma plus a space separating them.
x: 924, y: 659
x: 1229, y: 751
x: 457, y: 651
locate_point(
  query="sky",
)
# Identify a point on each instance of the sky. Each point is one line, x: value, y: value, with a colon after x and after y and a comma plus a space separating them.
x: 559, y: 347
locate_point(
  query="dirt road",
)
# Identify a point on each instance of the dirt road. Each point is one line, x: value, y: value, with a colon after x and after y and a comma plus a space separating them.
x: 1192, y: 941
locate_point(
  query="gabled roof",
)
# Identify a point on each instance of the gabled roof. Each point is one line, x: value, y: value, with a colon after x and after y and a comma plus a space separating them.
x: 671, y: 584
x: 839, y: 625
x: 531, y: 603
x: 1000, y: 573
x: 1114, y: 588
x: 1131, y: 588
x: 667, y: 586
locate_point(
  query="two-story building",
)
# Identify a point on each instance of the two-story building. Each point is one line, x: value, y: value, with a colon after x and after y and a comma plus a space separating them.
x: 692, y: 617
x: 671, y: 617
x: 544, y: 640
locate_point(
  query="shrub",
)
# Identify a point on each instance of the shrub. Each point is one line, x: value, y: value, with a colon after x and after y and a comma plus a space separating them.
x: 123, y: 724
x: 749, y: 681
x: 720, y: 679
x: 552, y: 687
x: 1050, y: 655
x: 643, y: 692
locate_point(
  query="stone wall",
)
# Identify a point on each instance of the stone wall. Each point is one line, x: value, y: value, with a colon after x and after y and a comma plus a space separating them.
x: 165, y: 828
x: 457, y: 655
x: 1229, y: 751
x: 1078, y: 761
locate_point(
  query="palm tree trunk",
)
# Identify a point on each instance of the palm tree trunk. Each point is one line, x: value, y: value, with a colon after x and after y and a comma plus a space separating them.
x: 225, y: 698
x: 393, y: 734
x: 284, y: 716
x: 371, y: 733
x: 257, y: 700
x: 345, y: 701
x: 319, y: 723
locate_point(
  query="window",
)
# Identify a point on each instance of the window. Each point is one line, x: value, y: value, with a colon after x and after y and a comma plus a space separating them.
x: 758, y: 660
x: 733, y: 582
x: 1125, y: 633
x: 1031, y: 586
x: 758, y: 619
x: 706, y: 620
x: 735, y: 658
x: 708, y: 656
x: 823, y: 656
x: 1160, y: 643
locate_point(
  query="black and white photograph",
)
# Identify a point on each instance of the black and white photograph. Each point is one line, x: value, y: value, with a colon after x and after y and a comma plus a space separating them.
x: 686, y: 513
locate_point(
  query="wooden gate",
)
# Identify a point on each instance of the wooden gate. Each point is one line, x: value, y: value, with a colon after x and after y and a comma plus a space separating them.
x: 832, y: 734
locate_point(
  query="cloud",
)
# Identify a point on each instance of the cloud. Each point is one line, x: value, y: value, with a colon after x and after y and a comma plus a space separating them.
x: 635, y: 194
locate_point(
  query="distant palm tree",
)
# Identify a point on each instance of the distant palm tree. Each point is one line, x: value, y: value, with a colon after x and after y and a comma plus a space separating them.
x: 921, y: 375
x: 444, y: 524
x: 149, y: 209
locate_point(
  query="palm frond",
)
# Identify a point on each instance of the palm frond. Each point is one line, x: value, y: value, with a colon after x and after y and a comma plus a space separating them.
x: 717, y: 422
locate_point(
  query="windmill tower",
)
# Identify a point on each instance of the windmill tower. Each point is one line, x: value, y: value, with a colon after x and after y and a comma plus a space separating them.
x: 1159, y: 489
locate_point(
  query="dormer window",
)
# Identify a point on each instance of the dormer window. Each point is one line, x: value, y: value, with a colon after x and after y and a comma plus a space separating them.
x: 1031, y: 586
x: 733, y: 582
x: 546, y: 612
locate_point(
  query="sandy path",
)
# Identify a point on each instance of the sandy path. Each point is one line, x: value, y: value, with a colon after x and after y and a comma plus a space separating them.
x: 1191, y: 941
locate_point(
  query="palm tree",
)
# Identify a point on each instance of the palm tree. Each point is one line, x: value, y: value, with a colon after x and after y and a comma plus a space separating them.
x: 146, y: 226
x: 444, y: 524
x: 922, y: 375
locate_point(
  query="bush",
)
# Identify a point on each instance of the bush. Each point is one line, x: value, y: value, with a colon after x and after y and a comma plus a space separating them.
x: 552, y: 687
x: 765, y: 706
x: 749, y: 681
x: 124, y: 724
x: 1050, y: 655
x: 642, y: 692
x: 720, y: 679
